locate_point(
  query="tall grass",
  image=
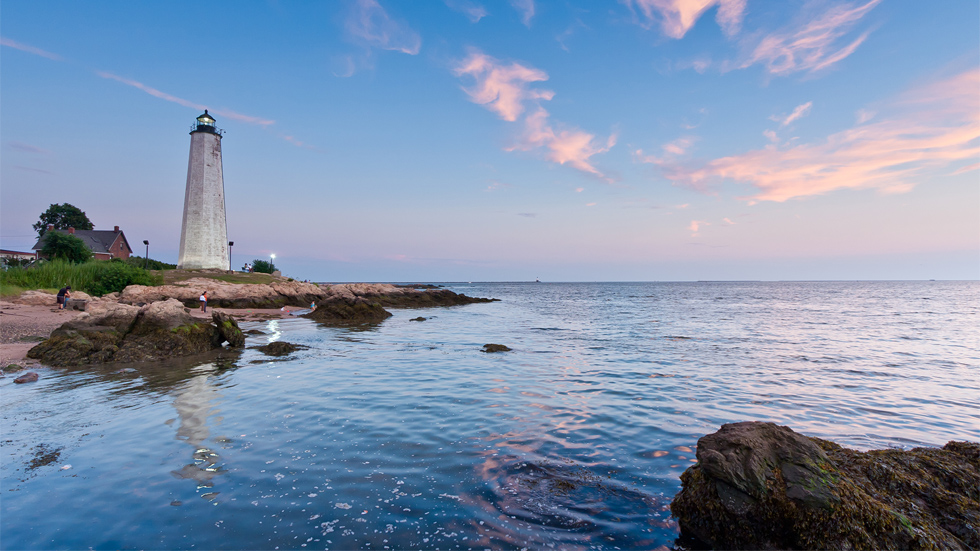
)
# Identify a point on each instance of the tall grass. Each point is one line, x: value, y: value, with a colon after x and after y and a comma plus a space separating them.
x: 96, y: 277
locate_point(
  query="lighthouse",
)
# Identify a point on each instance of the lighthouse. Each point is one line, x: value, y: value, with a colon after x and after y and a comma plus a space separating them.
x: 204, y: 232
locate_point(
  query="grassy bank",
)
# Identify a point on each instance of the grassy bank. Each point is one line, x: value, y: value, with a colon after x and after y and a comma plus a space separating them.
x: 176, y: 276
x: 95, y: 277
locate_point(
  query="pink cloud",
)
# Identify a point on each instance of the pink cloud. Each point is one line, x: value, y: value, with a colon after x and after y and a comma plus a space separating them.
x: 968, y: 168
x: 573, y: 147
x: 29, y: 49
x: 695, y: 226
x: 676, y: 17
x: 931, y: 127
x: 501, y: 88
x: 672, y: 150
x: 526, y: 9
x: 369, y: 22
x: 800, y: 112
x: 812, y: 46
x: 186, y: 103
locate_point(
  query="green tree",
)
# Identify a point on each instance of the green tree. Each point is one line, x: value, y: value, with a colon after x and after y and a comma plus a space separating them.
x: 63, y: 216
x: 263, y: 266
x: 65, y: 246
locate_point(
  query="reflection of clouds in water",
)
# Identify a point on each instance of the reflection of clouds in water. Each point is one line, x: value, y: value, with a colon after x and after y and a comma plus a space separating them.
x: 193, y: 405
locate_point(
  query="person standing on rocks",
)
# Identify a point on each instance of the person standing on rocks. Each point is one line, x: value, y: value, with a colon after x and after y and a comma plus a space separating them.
x: 63, y: 295
x: 204, y: 302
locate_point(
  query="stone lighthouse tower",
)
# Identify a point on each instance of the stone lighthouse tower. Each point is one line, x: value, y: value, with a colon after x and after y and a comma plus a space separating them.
x: 204, y: 232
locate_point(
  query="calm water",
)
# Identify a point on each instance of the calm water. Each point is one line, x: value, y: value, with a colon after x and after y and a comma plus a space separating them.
x: 407, y: 436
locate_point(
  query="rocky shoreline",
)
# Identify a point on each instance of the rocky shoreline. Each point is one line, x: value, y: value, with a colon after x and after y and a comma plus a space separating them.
x: 153, y: 323
x: 762, y: 486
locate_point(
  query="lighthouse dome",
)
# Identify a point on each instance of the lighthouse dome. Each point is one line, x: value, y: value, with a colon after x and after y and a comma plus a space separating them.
x: 206, y: 119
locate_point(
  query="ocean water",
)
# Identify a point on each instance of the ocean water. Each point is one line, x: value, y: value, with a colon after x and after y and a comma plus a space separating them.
x: 407, y: 436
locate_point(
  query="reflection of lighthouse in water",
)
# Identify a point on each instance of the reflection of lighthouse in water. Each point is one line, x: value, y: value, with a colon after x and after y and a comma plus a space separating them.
x: 193, y: 404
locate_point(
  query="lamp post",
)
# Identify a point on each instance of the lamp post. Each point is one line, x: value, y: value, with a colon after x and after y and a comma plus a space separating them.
x: 146, y: 259
x: 230, y: 245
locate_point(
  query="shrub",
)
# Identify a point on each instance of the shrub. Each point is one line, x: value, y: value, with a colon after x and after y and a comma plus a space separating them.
x: 65, y: 246
x: 94, y: 277
x: 151, y: 264
x: 263, y: 266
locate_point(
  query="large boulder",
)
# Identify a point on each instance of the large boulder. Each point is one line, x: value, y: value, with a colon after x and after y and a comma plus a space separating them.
x: 36, y: 298
x: 125, y: 333
x: 348, y: 311
x: 762, y: 486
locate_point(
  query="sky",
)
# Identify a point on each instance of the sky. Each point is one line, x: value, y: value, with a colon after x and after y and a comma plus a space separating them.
x: 476, y: 140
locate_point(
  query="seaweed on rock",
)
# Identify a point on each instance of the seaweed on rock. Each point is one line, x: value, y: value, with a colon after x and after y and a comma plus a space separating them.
x: 763, y: 486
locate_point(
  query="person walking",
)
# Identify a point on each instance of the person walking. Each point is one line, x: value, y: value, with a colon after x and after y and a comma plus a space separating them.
x: 63, y: 295
x: 204, y: 302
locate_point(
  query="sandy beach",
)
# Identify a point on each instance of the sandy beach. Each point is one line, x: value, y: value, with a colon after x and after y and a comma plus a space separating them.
x: 24, y: 325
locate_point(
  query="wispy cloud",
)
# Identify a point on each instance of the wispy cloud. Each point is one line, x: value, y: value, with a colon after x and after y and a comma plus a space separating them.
x: 27, y: 148
x: 812, y: 46
x: 370, y: 23
x: 528, y: 214
x: 671, y: 151
x: 800, y: 112
x: 505, y: 90
x: 676, y: 17
x: 501, y: 88
x: 695, y: 226
x: 526, y: 9
x: 574, y: 147
x: 29, y: 49
x: 929, y: 128
x: 495, y: 185
x: 186, y: 103
x: 474, y: 11
x: 31, y: 169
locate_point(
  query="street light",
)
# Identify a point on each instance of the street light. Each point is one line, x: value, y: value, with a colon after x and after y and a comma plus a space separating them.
x: 147, y: 259
x: 230, y: 245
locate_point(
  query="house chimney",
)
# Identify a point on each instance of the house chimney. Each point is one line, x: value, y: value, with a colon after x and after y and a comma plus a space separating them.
x: 71, y: 231
x: 50, y: 227
x: 116, y: 229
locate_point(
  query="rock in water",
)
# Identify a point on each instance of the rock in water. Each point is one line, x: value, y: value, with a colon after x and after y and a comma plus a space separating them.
x: 348, y: 311
x: 489, y: 348
x: 280, y: 348
x: 28, y: 377
x: 763, y: 486
x: 228, y: 330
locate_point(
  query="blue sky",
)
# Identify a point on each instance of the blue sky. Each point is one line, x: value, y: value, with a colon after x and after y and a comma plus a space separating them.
x: 464, y: 140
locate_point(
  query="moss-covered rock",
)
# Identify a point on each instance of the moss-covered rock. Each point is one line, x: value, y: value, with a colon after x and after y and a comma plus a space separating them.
x: 763, y: 486
x: 157, y: 331
x: 228, y: 329
x: 348, y: 311
x: 280, y: 348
